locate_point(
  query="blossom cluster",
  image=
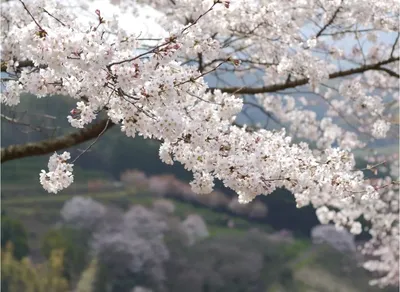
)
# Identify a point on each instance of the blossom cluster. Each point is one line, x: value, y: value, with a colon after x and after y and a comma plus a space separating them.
x: 59, y: 175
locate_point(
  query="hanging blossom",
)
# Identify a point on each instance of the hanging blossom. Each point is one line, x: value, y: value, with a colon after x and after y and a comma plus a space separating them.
x: 380, y: 129
x: 59, y: 175
x: 383, y: 248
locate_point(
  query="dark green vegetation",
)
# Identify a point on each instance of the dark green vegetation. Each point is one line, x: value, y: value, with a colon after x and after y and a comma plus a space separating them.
x: 74, y: 243
x: 13, y: 231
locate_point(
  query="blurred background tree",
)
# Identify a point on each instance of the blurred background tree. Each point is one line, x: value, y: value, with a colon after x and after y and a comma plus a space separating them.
x: 23, y: 276
x: 74, y: 243
x: 13, y: 231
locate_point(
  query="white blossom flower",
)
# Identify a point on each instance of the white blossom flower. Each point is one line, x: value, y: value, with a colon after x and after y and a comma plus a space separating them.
x: 59, y: 175
x: 380, y: 128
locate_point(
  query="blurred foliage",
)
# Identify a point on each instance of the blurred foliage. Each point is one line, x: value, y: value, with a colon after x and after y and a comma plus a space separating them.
x: 230, y: 263
x: 117, y: 279
x: 231, y: 259
x: 13, y: 231
x: 75, y: 244
x: 283, y: 213
x: 297, y: 247
x: 86, y: 281
x: 23, y: 276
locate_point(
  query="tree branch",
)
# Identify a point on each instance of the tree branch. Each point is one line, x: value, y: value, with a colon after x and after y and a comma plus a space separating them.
x: 299, y: 82
x: 388, y: 71
x: 330, y: 21
x: 20, y: 123
x: 394, y: 45
x: 51, y: 145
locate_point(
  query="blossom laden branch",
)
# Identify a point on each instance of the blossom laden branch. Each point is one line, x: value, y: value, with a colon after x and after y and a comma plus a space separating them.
x: 300, y: 82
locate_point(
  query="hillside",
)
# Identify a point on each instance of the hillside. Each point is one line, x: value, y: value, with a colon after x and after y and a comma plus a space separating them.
x: 293, y: 265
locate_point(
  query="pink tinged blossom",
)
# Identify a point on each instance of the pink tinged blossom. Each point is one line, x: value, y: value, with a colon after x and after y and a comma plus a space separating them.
x: 160, y: 96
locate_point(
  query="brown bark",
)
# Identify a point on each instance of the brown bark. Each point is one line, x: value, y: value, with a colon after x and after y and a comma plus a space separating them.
x: 51, y: 145
x: 299, y: 82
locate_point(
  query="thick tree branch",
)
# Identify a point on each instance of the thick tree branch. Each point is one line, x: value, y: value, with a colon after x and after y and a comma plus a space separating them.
x: 51, y: 145
x: 299, y: 82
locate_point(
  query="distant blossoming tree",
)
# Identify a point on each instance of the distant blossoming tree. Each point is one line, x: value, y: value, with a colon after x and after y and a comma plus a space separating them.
x: 292, y: 55
x: 195, y: 228
x: 341, y: 240
x: 163, y: 207
x: 82, y: 212
x: 125, y: 246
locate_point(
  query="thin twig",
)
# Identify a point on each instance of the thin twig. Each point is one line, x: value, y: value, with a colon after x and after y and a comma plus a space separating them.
x: 54, y: 17
x: 94, y: 142
x: 26, y: 9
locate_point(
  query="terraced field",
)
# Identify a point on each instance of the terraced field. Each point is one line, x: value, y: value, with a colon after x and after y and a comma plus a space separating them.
x: 313, y: 268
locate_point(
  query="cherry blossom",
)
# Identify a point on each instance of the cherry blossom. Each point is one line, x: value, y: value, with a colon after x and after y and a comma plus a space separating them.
x: 158, y: 88
x: 60, y: 173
